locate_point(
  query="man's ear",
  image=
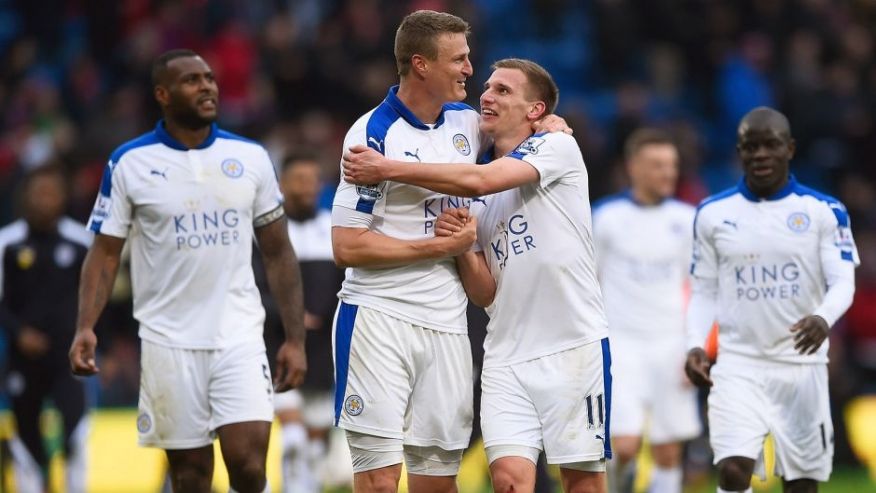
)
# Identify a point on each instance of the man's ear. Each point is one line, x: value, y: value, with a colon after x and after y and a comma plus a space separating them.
x: 419, y: 64
x: 161, y: 95
x: 537, y: 111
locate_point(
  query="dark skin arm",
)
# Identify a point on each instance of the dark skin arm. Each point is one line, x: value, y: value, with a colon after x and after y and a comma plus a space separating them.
x: 284, y: 280
x: 95, y: 285
x: 809, y: 334
x: 697, y: 367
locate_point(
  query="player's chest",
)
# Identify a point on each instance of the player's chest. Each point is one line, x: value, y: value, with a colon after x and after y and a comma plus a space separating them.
x: 648, y: 237
x: 762, y: 232
x: 435, y: 146
x: 195, y: 184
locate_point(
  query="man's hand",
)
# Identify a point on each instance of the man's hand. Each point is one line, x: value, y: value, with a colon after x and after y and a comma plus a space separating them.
x: 32, y: 342
x: 311, y: 321
x: 697, y: 367
x: 809, y: 333
x: 551, y: 123
x: 462, y: 240
x: 291, y: 366
x: 82, y: 353
x: 451, y: 221
x: 364, y: 166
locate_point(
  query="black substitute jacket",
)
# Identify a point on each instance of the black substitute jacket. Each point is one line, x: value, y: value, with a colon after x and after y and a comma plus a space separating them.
x: 40, y: 280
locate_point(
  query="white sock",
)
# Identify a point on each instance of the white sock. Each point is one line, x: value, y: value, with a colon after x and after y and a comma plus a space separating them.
x: 665, y: 480
x: 298, y: 477
x: 28, y: 475
x: 77, y: 463
x: 734, y: 491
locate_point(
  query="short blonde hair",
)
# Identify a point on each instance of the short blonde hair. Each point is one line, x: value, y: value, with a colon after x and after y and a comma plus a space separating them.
x: 418, y: 32
x: 541, y: 85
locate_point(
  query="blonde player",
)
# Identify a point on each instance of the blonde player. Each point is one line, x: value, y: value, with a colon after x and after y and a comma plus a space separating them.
x: 643, y: 245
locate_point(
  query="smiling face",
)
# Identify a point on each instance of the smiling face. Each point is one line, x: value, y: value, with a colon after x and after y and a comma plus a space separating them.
x: 505, y: 104
x: 188, y: 92
x: 766, y: 153
x: 450, y: 69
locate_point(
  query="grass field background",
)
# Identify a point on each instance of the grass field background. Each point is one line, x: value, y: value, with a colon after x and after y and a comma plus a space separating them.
x: 118, y: 465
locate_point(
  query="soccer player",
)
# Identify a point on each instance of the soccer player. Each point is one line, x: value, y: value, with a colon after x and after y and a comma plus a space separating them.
x: 546, y: 381
x: 402, y: 356
x: 774, y: 264
x: 190, y: 197
x: 643, y: 247
x: 306, y: 415
x: 40, y: 258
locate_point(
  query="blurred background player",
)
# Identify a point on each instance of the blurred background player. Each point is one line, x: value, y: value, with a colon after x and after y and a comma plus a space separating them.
x: 643, y: 245
x: 307, y: 415
x: 774, y: 263
x: 42, y: 254
x: 192, y: 198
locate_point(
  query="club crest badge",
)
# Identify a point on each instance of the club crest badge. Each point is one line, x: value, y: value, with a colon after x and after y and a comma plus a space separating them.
x: 798, y: 222
x: 354, y: 405
x: 460, y: 142
x: 232, y: 168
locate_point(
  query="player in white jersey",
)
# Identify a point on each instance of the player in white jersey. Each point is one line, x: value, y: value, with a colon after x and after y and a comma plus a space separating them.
x: 773, y: 264
x: 546, y: 381
x: 190, y: 197
x: 643, y: 247
x: 402, y: 357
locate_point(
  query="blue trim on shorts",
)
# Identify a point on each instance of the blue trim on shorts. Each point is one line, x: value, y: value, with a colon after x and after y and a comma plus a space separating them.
x: 606, y: 383
x: 343, y: 338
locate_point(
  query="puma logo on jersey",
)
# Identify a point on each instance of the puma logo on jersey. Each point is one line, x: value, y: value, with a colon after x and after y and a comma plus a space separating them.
x: 162, y: 174
x: 731, y: 223
x: 414, y: 154
x: 377, y: 143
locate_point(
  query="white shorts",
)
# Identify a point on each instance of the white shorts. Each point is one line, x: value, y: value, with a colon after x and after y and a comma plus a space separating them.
x: 790, y: 401
x: 185, y: 394
x: 559, y: 403
x: 649, y: 386
x: 317, y: 406
x: 399, y: 380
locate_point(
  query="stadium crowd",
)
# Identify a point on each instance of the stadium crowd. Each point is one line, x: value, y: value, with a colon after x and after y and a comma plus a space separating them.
x: 296, y: 73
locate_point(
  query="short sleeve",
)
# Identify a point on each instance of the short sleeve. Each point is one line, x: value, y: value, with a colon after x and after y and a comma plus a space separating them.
x: 267, y: 206
x: 555, y: 156
x: 365, y: 199
x: 112, y: 210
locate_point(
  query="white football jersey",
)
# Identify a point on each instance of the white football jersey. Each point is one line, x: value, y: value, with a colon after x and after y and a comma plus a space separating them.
x: 538, y: 244
x: 643, y: 254
x: 771, y: 258
x: 426, y: 293
x: 189, y: 216
x: 312, y: 239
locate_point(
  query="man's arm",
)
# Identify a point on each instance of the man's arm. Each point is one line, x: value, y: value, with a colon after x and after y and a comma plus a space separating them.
x: 365, y: 166
x: 95, y: 285
x: 360, y: 247
x: 478, y: 282
x: 284, y: 281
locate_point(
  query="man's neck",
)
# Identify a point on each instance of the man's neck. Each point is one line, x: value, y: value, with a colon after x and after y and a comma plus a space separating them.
x: 419, y: 101
x: 508, y: 142
x: 642, y: 197
x: 189, y: 137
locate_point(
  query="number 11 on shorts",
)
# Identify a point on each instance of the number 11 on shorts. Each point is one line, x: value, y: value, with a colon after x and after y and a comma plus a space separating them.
x: 599, y: 415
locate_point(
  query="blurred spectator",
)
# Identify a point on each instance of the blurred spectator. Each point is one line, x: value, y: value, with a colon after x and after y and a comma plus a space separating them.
x: 42, y: 255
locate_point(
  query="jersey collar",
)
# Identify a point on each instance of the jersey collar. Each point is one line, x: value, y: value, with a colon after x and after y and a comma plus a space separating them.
x: 396, y: 104
x: 782, y: 193
x: 169, y: 141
